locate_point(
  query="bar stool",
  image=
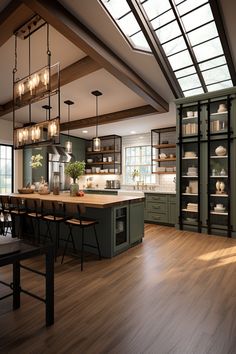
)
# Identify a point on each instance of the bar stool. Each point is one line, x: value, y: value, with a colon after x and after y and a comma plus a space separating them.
x: 53, y: 212
x: 5, y: 216
x: 17, y: 209
x: 76, y: 220
x: 33, y: 212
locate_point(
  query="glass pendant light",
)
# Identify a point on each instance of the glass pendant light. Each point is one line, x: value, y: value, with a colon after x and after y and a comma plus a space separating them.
x: 68, y: 144
x: 96, y: 140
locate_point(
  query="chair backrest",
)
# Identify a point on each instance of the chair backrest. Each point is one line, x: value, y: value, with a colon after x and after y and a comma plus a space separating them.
x: 16, y: 204
x: 74, y: 210
x: 4, y: 200
x: 53, y: 208
x: 33, y: 205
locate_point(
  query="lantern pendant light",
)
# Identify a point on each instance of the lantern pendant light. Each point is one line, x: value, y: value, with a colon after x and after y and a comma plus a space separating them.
x: 96, y: 140
x: 68, y: 144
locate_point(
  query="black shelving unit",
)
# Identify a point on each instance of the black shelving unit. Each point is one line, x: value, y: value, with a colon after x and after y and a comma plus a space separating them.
x: 187, y: 139
x: 158, y: 136
x: 219, y: 220
x: 111, y: 146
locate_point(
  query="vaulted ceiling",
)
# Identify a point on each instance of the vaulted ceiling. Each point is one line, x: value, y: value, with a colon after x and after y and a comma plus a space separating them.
x: 93, y: 54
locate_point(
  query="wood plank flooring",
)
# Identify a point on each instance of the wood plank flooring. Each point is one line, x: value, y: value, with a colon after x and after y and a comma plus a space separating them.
x: 174, y: 293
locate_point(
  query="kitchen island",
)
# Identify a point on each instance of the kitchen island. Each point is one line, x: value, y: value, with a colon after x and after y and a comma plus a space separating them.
x: 121, y: 219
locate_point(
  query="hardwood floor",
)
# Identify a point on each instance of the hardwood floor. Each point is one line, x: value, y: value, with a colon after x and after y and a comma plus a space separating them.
x: 174, y: 293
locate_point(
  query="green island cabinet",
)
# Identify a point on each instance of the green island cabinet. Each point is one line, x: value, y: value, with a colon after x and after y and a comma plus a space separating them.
x: 206, y: 169
x: 120, y: 227
x: 160, y: 208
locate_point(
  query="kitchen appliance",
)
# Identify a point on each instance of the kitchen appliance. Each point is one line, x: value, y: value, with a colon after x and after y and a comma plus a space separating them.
x: 57, y: 160
x: 112, y: 184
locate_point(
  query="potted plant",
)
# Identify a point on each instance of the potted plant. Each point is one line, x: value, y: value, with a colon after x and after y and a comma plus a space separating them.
x: 74, y: 170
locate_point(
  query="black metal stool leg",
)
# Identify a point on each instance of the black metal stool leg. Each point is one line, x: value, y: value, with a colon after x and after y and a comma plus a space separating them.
x: 66, y: 244
x: 96, y: 236
x: 82, y: 251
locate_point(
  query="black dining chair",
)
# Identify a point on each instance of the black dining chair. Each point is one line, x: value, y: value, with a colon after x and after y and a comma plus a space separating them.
x: 17, y: 211
x: 76, y: 220
x: 5, y: 217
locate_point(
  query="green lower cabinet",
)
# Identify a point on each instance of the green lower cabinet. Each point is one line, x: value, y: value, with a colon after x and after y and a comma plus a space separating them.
x: 121, y: 228
x: 136, y: 224
x: 172, y: 213
x: 90, y: 191
x: 160, y: 208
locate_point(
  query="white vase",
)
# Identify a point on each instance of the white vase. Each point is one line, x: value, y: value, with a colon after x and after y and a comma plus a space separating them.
x: 222, y: 108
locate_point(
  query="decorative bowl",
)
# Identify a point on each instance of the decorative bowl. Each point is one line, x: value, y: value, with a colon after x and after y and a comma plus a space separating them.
x: 44, y: 192
x: 162, y: 156
x: 25, y: 190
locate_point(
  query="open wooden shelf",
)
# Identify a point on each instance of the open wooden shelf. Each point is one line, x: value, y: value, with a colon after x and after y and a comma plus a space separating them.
x: 103, y: 163
x: 165, y: 173
x: 102, y: 152
x: 166, y: 159
x: 165, y: 146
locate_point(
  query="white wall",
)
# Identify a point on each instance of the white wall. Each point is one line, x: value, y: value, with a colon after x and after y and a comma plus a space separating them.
x: 6, y: 137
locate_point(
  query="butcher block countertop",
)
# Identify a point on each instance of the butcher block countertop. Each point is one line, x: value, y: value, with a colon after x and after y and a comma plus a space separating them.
x: 88, y: 200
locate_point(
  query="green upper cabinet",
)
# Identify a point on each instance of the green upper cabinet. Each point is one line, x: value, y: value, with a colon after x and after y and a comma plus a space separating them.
x: 31, y: 175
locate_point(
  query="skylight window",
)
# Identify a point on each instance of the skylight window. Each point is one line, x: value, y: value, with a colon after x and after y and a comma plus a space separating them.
x: 186, y: 31
x: 197, y: 17
x: 126, y: 21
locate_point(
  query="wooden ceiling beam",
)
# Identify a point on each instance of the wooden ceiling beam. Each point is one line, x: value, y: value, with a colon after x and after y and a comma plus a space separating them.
x: 11, y: 18
x: 108, y: 118
x: 72, y: 72
x: 70, y: 27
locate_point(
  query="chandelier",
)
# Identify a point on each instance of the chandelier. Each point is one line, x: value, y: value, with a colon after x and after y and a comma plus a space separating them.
x: 38, y: 85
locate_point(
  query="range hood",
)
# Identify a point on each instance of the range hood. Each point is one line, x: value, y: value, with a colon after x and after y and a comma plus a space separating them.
x: 58, y: 153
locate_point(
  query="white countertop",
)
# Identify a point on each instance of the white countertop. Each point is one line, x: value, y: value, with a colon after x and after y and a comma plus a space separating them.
x: 131, y: 192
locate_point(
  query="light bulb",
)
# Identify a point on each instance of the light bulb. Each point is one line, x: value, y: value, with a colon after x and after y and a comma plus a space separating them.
x: 37, y: 133
x: 68, y: 147
x: 96, y: 144
x: 21, y: 89
x: 45, y: 77
x: 25, y: 134
x: 33, y: 134
x: 20, y: 136
x: 36, y: 80
x: 31, y: 85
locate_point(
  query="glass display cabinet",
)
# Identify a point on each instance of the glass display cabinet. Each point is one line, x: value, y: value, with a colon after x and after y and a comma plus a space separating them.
x: 219, y: 133
x: 206, y: 172
x: 189, y: 157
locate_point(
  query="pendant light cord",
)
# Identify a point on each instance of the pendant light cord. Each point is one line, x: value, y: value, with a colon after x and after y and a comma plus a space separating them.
x: 29, y: 73
x: 97, y: 116
x: 68, y: 121
x: 49, y: 68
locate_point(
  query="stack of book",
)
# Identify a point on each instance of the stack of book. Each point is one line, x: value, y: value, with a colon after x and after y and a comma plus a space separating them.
x: 190, y: 128
x: 192, y: 207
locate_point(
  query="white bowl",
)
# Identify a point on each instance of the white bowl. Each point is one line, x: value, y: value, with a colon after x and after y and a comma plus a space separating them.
x: 89, y: 160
